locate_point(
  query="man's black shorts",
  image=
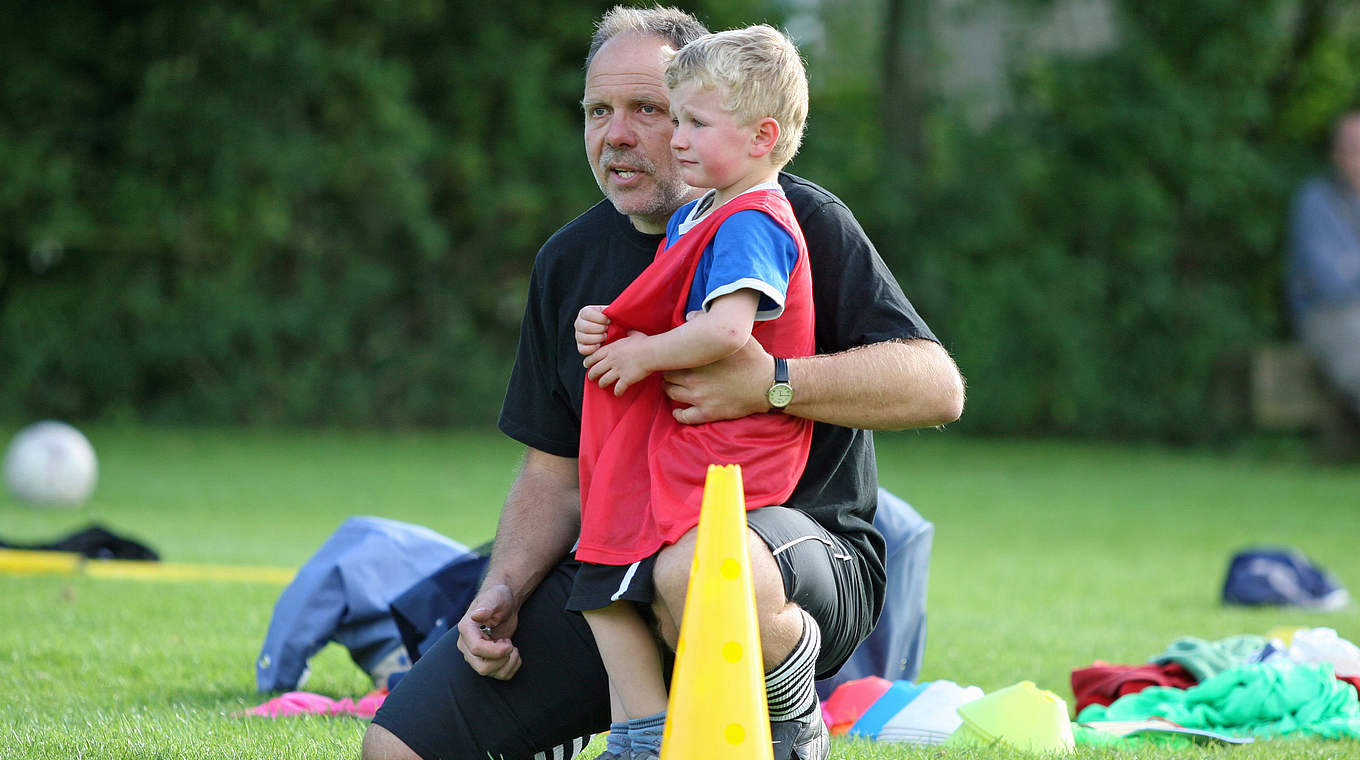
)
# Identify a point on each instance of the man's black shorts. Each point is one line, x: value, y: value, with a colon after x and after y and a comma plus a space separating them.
x: 443, y: 710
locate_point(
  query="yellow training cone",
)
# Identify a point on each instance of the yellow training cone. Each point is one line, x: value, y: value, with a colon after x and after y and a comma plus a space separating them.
x: 717, y: 708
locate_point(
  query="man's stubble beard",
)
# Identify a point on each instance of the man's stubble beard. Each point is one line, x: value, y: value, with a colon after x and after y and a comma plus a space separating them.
x: 668, y: 193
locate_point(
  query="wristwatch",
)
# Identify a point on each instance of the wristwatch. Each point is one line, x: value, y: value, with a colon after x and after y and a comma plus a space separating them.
x: 780, y: 393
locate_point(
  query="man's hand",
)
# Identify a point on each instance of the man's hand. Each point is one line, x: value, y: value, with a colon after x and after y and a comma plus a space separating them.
x: 484, y: 633
x: 620, y: 364
x: 591, y: 325
x: 727, y: 389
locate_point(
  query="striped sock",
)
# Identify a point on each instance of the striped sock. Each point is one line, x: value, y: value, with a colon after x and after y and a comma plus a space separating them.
x: 789, y: 688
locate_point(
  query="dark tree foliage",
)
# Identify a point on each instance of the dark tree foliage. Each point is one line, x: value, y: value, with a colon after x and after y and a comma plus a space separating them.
x: 303, y: 212
x: 325, y: 212
x: 1099, y: 253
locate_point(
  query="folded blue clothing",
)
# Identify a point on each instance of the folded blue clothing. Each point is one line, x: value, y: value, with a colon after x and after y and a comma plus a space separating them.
x: 1281, y: 576
x: 343, y: 594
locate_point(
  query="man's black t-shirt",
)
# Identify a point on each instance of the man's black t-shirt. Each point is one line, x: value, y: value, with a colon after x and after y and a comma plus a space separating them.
x: 857, y: 301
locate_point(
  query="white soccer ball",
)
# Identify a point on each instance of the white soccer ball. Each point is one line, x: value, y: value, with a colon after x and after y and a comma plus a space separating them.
x: 52, y: 464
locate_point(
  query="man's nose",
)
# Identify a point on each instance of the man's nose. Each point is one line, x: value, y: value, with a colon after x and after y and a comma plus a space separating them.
x: 620, y: 133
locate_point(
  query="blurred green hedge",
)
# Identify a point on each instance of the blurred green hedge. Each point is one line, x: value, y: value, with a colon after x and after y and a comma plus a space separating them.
x: 1103, y: 254
x: 325, y: 212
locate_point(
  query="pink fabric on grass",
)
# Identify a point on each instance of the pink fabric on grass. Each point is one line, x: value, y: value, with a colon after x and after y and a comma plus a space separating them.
x: 307, y: 703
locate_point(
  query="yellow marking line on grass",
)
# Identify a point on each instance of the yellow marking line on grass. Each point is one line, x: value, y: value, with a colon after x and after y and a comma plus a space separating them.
x: 23, y: 562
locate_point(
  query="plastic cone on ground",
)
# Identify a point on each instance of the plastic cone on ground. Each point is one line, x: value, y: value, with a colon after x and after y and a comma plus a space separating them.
x: 1021, y: 716
x: 717, y: 708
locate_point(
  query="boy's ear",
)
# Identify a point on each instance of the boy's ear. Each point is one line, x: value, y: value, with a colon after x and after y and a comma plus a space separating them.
x: 765, y: 136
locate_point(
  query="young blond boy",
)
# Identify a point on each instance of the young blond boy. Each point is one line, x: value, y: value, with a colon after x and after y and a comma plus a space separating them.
x: 733, y: 266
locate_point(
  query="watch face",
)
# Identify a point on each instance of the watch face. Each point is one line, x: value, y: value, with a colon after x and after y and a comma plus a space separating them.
x: 780, y: 394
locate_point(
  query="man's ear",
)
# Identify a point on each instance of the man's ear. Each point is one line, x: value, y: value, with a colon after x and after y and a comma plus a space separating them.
x: 765, y: 136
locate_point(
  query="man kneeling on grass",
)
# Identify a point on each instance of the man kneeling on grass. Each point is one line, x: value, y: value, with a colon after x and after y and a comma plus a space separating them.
x: 523, y: 678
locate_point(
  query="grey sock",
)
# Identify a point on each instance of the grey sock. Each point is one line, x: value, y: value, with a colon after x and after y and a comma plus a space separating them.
x: 645, y: 733
x: 617, y: 742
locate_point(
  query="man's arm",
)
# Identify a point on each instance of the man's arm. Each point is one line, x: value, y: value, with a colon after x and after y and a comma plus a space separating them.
x: 891, y: 385
x: 538, y: 525
x: 1326, y: 245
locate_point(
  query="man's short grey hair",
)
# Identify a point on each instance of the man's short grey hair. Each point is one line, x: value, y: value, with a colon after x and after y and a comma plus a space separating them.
x: 671, y: 24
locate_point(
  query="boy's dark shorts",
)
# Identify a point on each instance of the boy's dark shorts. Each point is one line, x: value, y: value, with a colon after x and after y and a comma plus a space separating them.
x: 443, y: 709
x: 598, y: 586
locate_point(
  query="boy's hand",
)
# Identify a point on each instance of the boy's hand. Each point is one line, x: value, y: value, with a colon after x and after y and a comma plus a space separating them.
x: 620, y: 363
x: 591, y: 324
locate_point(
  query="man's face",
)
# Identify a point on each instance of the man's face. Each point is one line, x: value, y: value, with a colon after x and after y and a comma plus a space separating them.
x: 628, y: 131
x: 1346, y: 151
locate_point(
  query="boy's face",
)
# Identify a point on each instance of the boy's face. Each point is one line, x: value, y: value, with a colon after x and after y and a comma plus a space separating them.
x: 712, y: 148
x: 628, y: 131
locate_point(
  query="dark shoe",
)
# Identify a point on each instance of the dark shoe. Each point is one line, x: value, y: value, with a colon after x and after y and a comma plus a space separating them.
x: 804, y: 738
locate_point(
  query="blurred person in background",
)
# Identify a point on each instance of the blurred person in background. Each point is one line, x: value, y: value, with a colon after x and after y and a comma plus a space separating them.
x: 1323, y: 282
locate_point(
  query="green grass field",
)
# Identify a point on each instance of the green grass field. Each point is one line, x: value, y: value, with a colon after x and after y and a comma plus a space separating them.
x: 1048, y: 555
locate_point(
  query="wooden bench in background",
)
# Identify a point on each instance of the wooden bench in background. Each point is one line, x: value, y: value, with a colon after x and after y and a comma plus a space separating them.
x: 1289, y: 393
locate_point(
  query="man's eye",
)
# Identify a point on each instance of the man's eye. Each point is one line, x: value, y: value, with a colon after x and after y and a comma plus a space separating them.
x: 597, y: 111
x: 649, y: 109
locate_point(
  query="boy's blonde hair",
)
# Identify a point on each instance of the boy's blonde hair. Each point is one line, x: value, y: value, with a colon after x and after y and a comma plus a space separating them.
x: 758, y: 71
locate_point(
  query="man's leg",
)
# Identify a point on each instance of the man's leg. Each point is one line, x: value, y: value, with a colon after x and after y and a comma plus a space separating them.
x: 1332, y: 335
x: 443, y: 710
x: 779, y: 620
x: 898, y: 643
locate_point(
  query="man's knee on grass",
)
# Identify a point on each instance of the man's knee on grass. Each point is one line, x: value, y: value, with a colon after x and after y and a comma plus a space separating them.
x: 381, y: 744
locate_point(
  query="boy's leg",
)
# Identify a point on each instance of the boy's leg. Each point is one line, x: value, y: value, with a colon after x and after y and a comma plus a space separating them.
x: 443, y: 710
x: 617, y: 746
x: 629, y: 651
x: 638, y: 690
